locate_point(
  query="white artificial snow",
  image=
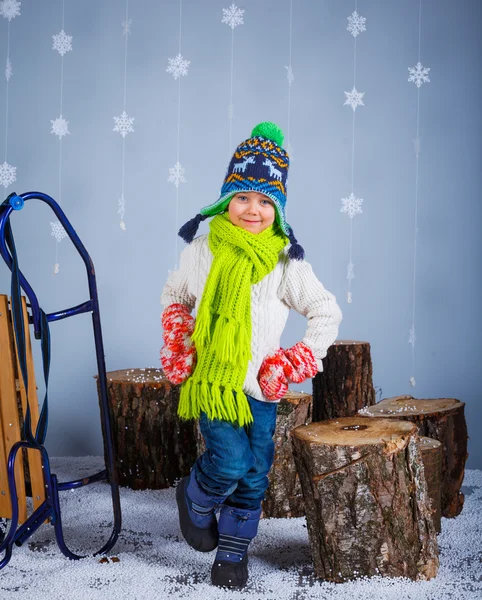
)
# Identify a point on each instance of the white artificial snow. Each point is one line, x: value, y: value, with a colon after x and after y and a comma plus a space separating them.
x: 233, y: 16
x: 62, y: 43
x: 418, y: 74
x: 58, y: 232
x: 178, y: 66
x: 351, y: 205
x: 60, y: 127
x: 176, y: 174
x: 356, y: 24
x: 354, y: 98
x: 123, y: 124
x: 8, y: 174
x: 156, y: 563
x: 10, y: 9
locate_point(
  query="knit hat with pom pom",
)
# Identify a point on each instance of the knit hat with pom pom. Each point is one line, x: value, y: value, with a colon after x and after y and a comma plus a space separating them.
x: 259, y: 164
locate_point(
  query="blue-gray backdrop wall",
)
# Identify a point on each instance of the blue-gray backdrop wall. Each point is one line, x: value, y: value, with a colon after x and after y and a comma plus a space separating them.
x: 132, y: 265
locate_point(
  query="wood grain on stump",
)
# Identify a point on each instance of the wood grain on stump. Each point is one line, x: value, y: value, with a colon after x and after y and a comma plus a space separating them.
x: 345, y: 385
x: 431, y: 451
x: 367, y: 507
x: 442, y: 419
x: 153, y: 447
x: 284, y: 497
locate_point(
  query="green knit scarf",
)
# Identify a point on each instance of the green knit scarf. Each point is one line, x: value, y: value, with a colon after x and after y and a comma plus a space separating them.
x: 222, y: 334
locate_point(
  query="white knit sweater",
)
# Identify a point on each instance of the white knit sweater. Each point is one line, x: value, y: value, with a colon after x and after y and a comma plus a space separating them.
x: 291, y: 284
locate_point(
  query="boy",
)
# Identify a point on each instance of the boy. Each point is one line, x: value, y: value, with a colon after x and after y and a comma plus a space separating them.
x: 243, y: 281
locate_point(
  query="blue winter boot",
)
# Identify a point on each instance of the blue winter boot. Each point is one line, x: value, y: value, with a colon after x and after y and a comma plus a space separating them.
x: 196, y: 514
x: 236, y: 527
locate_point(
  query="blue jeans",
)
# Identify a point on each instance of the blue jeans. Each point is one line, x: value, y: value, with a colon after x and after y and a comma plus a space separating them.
x: 237, y: 459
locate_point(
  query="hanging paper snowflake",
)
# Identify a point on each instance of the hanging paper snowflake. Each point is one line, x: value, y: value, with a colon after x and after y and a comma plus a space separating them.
x: 233, y: 16
x: 350, y: 271
x: 349, y: 297
x: 289, y: 75
x: 178, y: 66
x: 8, y: 174
x: 58, y: 231
x: 176, y: 174
x: 354, y: 98
x: 412, y: 337
x: 8, y: 69
x: 62, y: 43
x: 356, y: 24
x: 10, y: 9
x: 351, y: 205
x: 123, y: 124
x: 126, y: 27
x: 412, y: 381
x: 418, y: 74
x: 60, y: 127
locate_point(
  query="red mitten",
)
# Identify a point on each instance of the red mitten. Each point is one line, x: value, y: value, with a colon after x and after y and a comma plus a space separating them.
x: 293, y: 365
x: 178, y: 356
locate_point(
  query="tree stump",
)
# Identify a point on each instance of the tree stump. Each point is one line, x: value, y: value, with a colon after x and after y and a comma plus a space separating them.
x: 153, y: 446
x: 345, y: 385
x: 442, y: 419
x: 367, y: 507
x: 431, y: 451
x: 284, y: 497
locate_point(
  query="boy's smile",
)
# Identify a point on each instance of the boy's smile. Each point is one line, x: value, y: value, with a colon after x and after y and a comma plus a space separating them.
x: 252, y: 211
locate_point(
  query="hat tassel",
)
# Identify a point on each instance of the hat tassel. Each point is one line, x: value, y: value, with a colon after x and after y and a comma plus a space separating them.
x: 296, y: 251
x: 189, y: 229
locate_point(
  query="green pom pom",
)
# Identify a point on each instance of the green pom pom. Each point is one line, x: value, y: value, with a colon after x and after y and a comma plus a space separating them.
x: 269, y: 130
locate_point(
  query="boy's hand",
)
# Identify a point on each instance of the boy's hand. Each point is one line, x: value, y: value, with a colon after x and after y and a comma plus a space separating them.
x: 286, y: 366
x: 178, y: 356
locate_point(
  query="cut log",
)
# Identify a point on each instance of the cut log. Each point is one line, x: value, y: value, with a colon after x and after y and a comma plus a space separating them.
x: 345, y: 385
x: 431, y: 451
x: 367, y: 507
x: 442, y: 419
x: 153, y: 447
x: 284, y: 497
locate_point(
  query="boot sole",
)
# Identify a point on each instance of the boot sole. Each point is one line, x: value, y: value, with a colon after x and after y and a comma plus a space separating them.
x: 230, y: 575
x: 202, y: 540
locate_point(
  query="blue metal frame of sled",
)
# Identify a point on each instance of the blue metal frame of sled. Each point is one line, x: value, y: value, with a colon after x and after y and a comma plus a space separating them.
x: 49, y: 509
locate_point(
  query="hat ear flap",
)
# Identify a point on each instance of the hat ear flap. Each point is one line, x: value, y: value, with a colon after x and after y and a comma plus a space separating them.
x: 189, y: 229
x: 296, y: 251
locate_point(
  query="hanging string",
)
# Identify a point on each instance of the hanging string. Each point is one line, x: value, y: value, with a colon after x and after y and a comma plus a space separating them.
x: 352, y: 205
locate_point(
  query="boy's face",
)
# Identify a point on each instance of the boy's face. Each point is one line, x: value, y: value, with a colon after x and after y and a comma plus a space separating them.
x: 252, y: 211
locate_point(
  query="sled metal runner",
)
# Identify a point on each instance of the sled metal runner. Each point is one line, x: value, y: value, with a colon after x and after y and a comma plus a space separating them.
x: 48, y: 509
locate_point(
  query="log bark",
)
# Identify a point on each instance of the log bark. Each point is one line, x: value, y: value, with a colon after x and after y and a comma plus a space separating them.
x: 153, y: 447
x: 345, y: 385
x: 367, y: 506
x: 431, y: 451
x: 284, y: 497
x: 442, y: 419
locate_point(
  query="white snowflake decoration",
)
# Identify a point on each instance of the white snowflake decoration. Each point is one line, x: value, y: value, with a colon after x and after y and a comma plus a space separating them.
x: 350, y: 271
x: 178, y: 66
x: 351, y: 205
x: 349, y: 297
x: 10, y: 9
x: 412, y: 381
x: 60, y: 127
x: 123, y: 124
x: 8, y: 174
x: 418, y: 74
x: 233, y: 16
x: 356, y: 24
x: 289, y: 75
x: 62, y: 43
x: 8, y: 69
x: 354, y: 98
x: 176, y: 174
x: 58, y: 231
x: 122, y: 211
x: 412, y: 337
x: 126, y: 27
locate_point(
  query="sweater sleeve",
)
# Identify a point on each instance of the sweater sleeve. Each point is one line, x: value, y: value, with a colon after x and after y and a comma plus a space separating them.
x: 176, y: 288
x: 304, y: 293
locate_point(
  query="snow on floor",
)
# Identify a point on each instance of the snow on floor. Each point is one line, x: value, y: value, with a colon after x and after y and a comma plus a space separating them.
x: 155, y: 562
